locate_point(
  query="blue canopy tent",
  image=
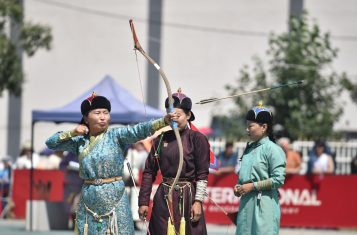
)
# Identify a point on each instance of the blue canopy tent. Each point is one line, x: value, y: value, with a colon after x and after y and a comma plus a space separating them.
x: 126, y: 109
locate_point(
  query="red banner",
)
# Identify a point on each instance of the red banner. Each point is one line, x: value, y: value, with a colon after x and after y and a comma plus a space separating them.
x: 306, y: 201
x: 326, y: 201
x: 323, y: 201
x: 220, y: 198
x: 47, y: 185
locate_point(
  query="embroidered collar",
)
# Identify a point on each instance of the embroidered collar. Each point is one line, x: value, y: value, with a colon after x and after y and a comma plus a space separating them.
x: 93, y: 140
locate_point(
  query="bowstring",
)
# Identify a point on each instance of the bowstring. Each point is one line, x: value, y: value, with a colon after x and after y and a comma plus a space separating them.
x: 143, y: 100
x: 144, y: 104
x: 140, y: 81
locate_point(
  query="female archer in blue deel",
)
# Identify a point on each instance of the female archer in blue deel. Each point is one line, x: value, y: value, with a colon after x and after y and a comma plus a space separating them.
x: 104, y: 205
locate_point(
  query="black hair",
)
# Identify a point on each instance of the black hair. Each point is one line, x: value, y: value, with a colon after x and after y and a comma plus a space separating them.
x: 229, y: 144
x: 320, y: 143
x: 269, y: 131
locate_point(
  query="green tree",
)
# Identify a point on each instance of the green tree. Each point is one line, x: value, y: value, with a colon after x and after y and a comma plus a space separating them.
x: 305, y: 53
x: 351, y: 87
x: 31, y: 38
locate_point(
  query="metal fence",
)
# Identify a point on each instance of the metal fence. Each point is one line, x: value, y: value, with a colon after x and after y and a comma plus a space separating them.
x: 343, y: 152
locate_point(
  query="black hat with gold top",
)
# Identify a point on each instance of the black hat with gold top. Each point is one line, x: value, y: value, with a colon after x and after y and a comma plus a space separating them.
x: 260, y: 114
x: 94, y: 102
x: 181, y: 101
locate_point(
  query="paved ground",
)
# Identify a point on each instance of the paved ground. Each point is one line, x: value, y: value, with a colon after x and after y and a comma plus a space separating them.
x: 17, y: 227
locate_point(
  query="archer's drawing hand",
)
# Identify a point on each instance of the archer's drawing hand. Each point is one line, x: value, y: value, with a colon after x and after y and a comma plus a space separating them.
x: 81, y: 130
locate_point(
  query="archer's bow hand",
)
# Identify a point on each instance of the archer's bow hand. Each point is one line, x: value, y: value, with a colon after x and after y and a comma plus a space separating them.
x: 168, y: 118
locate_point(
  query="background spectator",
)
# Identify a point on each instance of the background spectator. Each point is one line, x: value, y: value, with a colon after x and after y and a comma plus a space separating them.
x: 293, y: 158
x: 72, y: 185
x: 5, y: 176
x: 5, y: 170
x: 49, y: 159
x: 24, y: 160
x: 227, y: 160
x: 136, y: 156
x: 354, y: 165
x: 320, y: 159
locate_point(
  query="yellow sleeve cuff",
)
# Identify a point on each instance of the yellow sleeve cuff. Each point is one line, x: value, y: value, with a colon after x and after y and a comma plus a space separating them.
x: 66, y: 135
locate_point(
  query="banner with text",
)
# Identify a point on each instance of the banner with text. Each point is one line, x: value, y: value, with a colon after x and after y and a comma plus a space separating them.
x: 321, y: 201
x: 47, y: 185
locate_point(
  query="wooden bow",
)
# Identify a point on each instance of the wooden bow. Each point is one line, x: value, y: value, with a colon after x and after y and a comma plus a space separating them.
x: 174, y: 126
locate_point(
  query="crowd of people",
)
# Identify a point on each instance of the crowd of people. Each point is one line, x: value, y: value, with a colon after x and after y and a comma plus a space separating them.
x: 320, y: 159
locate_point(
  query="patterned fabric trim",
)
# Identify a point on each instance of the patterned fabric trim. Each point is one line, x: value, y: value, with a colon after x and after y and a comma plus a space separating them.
x: 263, y: 185
x: 93, y: 140
x: 201, y: 190
x: 66, y: 135
x: 157, y: 124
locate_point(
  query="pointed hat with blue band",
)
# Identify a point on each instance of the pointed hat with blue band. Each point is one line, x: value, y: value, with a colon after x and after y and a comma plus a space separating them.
x: 260, y: 114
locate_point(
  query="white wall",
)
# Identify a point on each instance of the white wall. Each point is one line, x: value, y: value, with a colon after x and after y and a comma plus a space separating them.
x: 3, y: 123
x: 88, y: 44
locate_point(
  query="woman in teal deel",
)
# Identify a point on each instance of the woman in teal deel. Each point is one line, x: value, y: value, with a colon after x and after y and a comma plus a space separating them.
x: 104, y: 206
x: 261, y: 173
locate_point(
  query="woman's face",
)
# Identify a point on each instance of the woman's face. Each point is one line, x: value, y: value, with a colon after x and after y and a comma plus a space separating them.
x: 256, y: 131
x: 181, y: 118
x: 97, y: 120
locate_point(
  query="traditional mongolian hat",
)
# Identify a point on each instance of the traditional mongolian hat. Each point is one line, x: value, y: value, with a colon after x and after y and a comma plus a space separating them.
x: 260, y: 114
x: 94, y: 102
x: 181, y: 101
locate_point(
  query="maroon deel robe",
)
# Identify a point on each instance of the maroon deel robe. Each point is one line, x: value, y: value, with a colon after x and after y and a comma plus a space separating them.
x: 195, y: 167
